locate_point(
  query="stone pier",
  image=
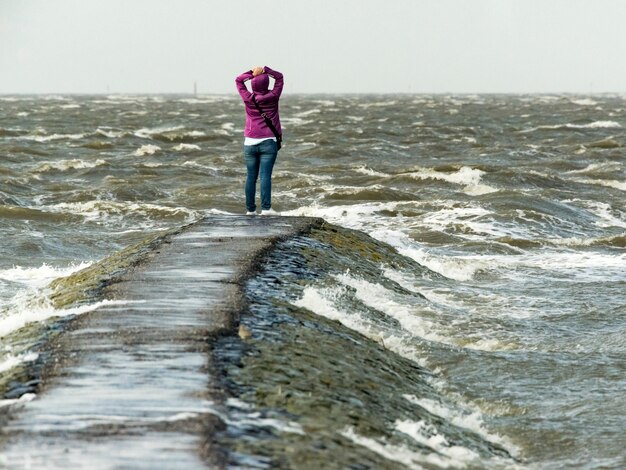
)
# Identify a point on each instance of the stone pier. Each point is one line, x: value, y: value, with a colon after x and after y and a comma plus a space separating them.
x: 130, y: 385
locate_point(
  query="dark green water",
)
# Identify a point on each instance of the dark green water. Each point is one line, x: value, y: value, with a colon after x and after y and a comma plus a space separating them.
x: 508, y: 212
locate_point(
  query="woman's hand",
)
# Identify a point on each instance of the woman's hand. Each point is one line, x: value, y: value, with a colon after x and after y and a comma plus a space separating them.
x: 257, y: 71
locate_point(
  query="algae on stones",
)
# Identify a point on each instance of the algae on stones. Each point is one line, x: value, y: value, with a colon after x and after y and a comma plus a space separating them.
x: 87, y: 284
x: 84, y: 286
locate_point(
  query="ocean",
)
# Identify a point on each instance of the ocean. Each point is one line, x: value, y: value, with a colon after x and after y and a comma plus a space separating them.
x: 479, y: 245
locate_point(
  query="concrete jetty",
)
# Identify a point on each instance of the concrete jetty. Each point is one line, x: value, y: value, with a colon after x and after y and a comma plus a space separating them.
x: 129, y: 384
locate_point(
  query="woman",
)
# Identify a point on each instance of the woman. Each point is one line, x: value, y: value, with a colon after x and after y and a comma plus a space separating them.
x: 260, y: 146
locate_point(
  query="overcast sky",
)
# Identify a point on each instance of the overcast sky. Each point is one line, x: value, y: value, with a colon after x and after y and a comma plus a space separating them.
x: 325, y: 46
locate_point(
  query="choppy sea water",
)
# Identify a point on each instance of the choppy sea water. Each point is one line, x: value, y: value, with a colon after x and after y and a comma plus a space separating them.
x: 512, y: 207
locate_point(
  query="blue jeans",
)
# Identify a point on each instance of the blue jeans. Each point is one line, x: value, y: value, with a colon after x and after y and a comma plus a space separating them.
x: 260, y: 157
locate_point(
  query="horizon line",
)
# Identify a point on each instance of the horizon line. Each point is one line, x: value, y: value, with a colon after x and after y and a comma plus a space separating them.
x: 362, y: 93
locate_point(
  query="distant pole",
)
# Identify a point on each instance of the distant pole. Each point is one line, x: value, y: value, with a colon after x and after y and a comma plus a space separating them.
x: 195, y: 88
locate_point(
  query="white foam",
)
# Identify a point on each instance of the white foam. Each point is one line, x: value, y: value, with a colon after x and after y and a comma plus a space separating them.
x: 107, y: 132
x: 304, y: 176
x: 10, y: 361
x: 577, y: 241
x: 48, y: 138
x: 194, y: 164
x: 322, y: 303
x: 186, y: 147
x: 413, y: 319
x: 243, y: 414
x: 368, y: 171
x: 396, y: 453
x: 596, y: 125
x: 608, y: 216
x: 345, y: 189
x: 479, y: 189
x: 617, y: 184
x: 312, y: 145
x: 379, y: 298
x: 470, y: 217
x: 470, y: 420
x: 427, y: 435
x: 584, y: 102
x: 38, y: 277
x: 377, y: 104
x: 307, y: 113
x: 39, y: 309
x: 148, y: 132
x: 23, y: 399
x: 74, y: 164
x: 443, y: 297
x: 465, y: 308
x: 459, y: 268
x: 598, y: 167
x: 465, y: 176
x: 148, y: 149
x: 400, y: 278
x: 324, y: 102
x: 356, y: 216
x: 201, y: 133
x: 363, y: 217
x: 100, y: 210
x: 587, y: 266
x: 591, y: 125
x: 463, y: 267
x: 240, y: 404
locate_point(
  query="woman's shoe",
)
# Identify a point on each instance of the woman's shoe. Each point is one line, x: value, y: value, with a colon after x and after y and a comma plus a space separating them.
x: 250, y: 213
x: 269, y: 212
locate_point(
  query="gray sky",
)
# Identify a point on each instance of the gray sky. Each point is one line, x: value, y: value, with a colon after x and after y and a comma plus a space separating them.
x: 326, y: 46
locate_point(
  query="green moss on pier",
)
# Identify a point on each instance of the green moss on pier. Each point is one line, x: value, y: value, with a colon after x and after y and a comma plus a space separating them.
x: 87, y: 285
x: 82, y: 287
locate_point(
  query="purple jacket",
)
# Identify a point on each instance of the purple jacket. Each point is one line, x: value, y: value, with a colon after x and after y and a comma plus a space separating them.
x: 267, y: 99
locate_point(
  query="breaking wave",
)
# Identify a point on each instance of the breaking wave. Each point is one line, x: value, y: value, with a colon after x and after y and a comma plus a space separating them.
x: 74, y: 164
x: 566, y: 126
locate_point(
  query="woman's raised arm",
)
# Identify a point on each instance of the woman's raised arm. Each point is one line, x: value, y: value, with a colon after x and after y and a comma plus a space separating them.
x: 241, y: 86
x: 278, y: 85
